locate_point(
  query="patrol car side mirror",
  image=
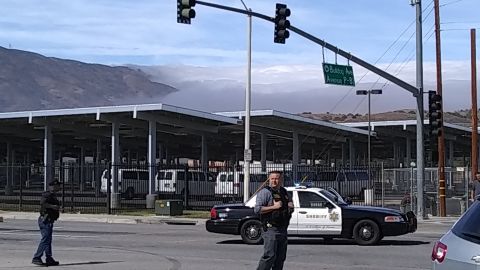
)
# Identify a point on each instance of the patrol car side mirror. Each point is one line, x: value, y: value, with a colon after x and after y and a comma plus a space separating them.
x: 329, y: 205
x: 348, y: 200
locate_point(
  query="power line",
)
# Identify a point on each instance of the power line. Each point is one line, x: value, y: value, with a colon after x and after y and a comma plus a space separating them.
x: 319, y: 155
x: 450, y: 3
x: 398, y: 53
x: 459, y: 29
x: 411, y: 57
x: 429, y: 6
x: 383, y: 54
x: 459, y: 22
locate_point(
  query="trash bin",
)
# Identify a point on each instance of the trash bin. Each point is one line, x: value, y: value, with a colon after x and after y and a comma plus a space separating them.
x: 168, y: 207
x: 453, y: 206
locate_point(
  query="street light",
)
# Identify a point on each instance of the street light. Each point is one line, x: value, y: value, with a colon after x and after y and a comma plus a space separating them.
x: 369, y: 93
x: 247, y: 154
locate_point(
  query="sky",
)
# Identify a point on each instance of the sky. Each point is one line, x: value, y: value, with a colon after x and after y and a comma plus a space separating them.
x: 145, y: 33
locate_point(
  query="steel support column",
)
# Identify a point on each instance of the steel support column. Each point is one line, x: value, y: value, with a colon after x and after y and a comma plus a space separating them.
x: 263, y: 151
x: 47, y: 156
x: 204, y: 154
x: 152, y: 164
x: 115, y: 140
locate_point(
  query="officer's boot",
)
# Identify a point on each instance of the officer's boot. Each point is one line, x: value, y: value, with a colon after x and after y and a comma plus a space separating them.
x: 37, y: 261
x: 51, y: 262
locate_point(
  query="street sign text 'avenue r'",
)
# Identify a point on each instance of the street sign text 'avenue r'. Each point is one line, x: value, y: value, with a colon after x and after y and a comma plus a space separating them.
x: 338, y: 74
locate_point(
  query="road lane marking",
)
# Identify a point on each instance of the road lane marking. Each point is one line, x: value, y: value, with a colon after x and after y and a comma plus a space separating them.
x: 17, y: 232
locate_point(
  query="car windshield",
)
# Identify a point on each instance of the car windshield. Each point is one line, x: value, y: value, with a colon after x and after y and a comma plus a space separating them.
x: 467, y: 226
x: 333, y: 197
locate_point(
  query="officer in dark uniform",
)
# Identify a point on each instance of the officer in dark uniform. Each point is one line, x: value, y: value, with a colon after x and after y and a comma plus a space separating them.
x: 274, y: 207
x: 49, y: 212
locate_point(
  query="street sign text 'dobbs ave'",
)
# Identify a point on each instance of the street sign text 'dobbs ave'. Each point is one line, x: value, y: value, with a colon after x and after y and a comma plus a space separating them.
x: 338, y: 74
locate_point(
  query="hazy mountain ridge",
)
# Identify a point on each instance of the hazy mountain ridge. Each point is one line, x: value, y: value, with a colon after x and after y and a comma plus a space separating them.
x: 461, y: 117
x: 30, y: 81
x: 295, y: 90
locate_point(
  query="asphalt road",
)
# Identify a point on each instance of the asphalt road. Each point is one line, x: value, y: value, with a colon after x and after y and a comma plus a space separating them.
x: 171, y: 247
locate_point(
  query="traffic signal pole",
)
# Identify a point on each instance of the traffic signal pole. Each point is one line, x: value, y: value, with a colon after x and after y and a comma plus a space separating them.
x: 417, y: 92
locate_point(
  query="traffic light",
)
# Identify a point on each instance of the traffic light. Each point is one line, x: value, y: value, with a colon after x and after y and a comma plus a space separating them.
x: 435, y: 113
x: 185, y: 12
x: 281, y: 24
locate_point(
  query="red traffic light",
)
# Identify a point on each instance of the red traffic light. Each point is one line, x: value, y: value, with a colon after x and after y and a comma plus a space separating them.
x: 281, y: 23
x: 185, y: 12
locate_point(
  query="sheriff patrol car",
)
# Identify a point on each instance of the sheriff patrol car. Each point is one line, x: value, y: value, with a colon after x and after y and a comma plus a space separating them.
x: 318, y: 213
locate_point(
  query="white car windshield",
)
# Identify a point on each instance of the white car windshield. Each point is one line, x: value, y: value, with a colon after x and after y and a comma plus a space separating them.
x: 332, y: 196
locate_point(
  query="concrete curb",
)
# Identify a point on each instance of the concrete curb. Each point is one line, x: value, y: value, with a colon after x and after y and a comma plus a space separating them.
x: 171, y: 220
x: 108, y: 219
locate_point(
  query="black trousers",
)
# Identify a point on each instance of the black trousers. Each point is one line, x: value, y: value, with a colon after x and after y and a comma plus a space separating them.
x: 275, y: 244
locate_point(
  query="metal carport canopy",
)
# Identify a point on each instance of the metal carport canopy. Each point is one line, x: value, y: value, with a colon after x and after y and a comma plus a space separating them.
x: 277, y: 120
x: 117, y: 109
x: 391, y: 129
x: 93, y: 122
x: 404, y: 124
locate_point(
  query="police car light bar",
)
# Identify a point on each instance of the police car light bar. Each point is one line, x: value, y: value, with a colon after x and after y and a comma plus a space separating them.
x: 302, y: 186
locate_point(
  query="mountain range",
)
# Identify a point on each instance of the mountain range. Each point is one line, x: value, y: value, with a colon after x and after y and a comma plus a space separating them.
x: 30, y: 81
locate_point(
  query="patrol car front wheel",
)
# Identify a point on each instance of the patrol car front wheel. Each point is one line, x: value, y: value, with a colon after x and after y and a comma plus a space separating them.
x: 251, y: 232
x: 366, y: 232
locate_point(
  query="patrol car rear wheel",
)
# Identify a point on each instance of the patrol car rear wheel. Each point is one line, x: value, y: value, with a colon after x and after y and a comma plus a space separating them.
x: 251, y: 232
x: 366, y: 232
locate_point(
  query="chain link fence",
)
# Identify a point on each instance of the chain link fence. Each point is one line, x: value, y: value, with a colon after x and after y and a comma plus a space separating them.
x: 401, y: 183
x: 103, y: 188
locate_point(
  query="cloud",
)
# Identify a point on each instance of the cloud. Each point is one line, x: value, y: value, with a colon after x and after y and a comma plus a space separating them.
x: 145, y: 32
x: 207, y: 58
x: 298, y: 88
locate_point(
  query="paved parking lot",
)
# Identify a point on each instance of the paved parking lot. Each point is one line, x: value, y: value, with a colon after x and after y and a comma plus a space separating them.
x: 84, y: 245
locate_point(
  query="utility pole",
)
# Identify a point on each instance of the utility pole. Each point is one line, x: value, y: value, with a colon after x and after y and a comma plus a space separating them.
x: 247, y: 156
x: 441, y: 138
x: 420, y: 111
x: 474, y: 104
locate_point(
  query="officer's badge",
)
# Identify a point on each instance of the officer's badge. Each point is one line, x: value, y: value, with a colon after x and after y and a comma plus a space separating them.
x: 333, y: 216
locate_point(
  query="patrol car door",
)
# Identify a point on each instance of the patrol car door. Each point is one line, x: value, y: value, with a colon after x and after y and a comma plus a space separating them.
x: 316, y: 215
x: 293, y: 226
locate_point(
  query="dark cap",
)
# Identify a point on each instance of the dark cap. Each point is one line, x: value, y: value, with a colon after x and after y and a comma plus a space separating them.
x: 54, y: 183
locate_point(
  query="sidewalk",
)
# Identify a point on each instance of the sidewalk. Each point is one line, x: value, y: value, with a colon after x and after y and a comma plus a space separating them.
x: 104, y: 218
x: 122, y: 219
x: 440, y: 220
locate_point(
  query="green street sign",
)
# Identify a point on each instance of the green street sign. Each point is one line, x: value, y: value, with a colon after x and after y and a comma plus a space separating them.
x: 338, y: 74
